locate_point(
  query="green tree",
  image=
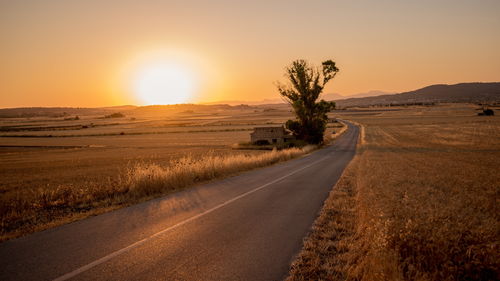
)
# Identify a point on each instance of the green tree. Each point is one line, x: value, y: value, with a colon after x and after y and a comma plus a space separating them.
x: 306, y: 83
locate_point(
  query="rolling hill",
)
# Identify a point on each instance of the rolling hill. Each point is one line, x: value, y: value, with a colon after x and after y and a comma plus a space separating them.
x: 463, y: 92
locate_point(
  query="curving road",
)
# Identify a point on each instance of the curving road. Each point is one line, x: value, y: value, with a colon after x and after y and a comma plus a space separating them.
x: 247, y: 227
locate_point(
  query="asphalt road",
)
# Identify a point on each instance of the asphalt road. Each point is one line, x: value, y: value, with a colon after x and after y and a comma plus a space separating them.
x: 247, y: 227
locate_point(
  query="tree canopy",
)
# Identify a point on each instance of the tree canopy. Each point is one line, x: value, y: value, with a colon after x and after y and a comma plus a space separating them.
x: 305, y: 84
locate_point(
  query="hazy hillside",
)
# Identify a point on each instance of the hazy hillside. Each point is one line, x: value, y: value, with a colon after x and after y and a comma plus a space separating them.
x: 58, y: 112
x: 51, y: 111
x: 279, y: 101
x: 336, y: 96
x: 463, y: 92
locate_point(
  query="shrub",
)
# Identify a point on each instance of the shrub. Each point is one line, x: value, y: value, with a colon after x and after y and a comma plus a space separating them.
x: 115, y: 115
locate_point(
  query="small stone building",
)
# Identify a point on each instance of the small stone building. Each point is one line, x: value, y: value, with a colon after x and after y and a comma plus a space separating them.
x: 273, y: 135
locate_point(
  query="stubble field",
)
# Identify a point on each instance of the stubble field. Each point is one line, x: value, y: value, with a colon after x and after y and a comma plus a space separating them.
x: 420, y: 201
x: 55, y: 170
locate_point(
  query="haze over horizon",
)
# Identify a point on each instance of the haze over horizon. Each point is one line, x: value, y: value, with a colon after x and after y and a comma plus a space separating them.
x: 95, y: 53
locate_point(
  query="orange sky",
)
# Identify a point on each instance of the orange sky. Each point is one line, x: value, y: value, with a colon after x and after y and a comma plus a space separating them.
x: 85, y: 53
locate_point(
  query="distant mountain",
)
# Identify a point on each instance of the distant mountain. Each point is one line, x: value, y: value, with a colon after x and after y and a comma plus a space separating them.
x: 371, y: 94
x: 332, y: 96
x: 328, y: 96
x: 336, y: 96
x: 238, y: 102
x: 463, y: 92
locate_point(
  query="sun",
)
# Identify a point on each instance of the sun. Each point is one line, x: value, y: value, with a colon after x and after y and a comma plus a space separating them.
x: 164, y: 83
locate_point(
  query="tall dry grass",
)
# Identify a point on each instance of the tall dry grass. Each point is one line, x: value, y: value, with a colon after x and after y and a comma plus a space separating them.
x: 26, y: 210
x: 325, y: 254
x: 145, y: 179
x: 419, y: 202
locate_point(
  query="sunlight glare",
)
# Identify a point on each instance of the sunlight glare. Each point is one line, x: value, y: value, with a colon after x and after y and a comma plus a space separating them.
x: 164, y: 83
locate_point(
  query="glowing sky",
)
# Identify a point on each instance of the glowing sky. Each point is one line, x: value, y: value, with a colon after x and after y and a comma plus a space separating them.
x: 84, y: 53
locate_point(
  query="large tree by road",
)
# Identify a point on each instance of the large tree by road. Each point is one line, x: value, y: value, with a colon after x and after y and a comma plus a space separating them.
x: 302, y: 91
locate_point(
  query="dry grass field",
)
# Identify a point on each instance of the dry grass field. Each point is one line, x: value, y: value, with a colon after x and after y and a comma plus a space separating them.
x: 54, y: 171
x: 420, y: 201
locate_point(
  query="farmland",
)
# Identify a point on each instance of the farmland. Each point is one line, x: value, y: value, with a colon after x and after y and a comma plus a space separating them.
x: 75, y: 156
x: 59, y: 169
x: 418, y: 202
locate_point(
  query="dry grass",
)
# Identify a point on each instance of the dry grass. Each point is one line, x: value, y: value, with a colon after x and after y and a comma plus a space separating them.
x: 325, y: 252
x: 419, y: 202
x: 31, y: 209
x: 145, y: 179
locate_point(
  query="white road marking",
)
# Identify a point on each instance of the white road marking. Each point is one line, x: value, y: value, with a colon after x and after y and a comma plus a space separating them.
x: 140, y: 242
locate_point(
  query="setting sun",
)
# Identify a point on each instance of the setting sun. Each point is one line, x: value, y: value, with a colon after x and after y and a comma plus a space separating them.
x: 164, y: 83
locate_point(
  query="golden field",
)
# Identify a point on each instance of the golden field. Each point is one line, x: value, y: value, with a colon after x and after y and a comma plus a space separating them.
x: 420, y: 201
x: 54, y: 171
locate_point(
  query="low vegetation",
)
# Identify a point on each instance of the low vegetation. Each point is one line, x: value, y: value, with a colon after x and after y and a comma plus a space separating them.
x: 487, y: 112
x: 76, y: 118
x: 418, y: 202
x: 325, y: 254
x: 145, y: 179
x: 115, y: 115
x: 30, y: 209
x: 265, y: 145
